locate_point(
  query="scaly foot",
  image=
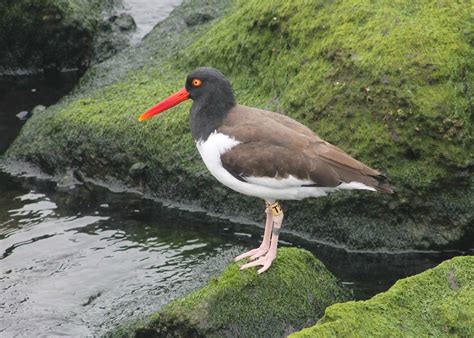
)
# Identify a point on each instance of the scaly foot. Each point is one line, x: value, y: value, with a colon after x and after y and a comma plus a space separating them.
x: 265, y: 245
x: 265, y: 262
x: 253, y: 254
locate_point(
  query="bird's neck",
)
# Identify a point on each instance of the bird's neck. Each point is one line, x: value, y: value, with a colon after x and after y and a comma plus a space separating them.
x: 207, y: 115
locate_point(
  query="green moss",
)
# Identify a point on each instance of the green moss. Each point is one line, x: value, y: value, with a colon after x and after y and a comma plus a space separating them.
x: 295, y: 291
x: 385, y: 80
x: 436, y: 303
x: 389, y: 82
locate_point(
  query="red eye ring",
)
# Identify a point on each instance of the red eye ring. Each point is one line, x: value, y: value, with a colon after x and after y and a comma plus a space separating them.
x: 196, y: 82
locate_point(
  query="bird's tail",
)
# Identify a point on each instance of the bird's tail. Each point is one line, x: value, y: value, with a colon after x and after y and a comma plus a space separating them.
x: 383, y: 185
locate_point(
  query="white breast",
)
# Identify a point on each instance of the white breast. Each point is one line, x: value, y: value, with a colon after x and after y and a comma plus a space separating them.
x: 211, y: 151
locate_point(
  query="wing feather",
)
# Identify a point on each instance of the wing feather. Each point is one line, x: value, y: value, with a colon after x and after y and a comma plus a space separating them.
x: 273, y: 145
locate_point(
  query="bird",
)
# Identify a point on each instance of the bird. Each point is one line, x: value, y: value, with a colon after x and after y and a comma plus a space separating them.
x: 263, y: 154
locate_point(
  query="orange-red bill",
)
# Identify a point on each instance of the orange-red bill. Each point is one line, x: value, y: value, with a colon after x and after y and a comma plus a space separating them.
x: 169, y: 102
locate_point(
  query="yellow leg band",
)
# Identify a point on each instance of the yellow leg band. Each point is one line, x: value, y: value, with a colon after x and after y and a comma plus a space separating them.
x: 275, y: 208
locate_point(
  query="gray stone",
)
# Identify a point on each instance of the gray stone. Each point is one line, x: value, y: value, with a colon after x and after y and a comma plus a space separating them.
x: 124, y: 22
x: 137, y: 169
x: 23, y: 115
x: 198, y: 18
x: 68, y: 181
x: 38, y: 109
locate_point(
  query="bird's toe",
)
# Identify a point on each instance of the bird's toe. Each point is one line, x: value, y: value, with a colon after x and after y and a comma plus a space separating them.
x: 253, y: 254
x: 246, y: 254
x: 259, y: 261
x: 265, y: 261
x: 260, y: 252
x: 265, y: 267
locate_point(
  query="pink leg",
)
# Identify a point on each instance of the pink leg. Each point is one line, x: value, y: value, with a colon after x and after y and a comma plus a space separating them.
x: 265, y: 245
x: 266, y: 261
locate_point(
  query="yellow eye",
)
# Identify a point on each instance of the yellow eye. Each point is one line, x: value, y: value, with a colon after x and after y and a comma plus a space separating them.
x: 196, y: 82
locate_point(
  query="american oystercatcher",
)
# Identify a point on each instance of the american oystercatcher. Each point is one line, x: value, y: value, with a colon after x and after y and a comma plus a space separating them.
x: 263, y: 154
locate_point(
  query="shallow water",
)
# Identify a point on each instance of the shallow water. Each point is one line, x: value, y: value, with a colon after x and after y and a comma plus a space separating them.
x: 147, y: 13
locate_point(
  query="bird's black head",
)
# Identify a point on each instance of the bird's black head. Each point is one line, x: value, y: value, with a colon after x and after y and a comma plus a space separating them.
x: 208, y: 84
x: 212, y: 99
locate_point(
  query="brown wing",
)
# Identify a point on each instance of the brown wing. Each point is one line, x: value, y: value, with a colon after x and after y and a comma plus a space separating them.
x: 273, y: 145
x: 258, y: 159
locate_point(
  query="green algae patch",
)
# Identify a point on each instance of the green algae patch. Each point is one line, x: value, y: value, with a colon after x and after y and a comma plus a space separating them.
x: 436, y: 303
x: 389, y: 83
x: 291, y: 294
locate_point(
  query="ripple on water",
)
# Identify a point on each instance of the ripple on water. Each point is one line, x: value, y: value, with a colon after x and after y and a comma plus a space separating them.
x: 68, y: 274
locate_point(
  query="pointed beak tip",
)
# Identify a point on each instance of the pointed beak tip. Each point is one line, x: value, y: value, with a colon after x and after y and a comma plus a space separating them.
x: 166, y: 104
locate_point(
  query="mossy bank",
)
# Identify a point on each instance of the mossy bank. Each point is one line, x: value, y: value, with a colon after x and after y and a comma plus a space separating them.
x: 56, y: 34
x: 291, y: 295
x: 390, y: 83
x: 436, y: 303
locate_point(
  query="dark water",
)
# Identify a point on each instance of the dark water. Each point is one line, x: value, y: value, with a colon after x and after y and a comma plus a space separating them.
x: 23, y: 93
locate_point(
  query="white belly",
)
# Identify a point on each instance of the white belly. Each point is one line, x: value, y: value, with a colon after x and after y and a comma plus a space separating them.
x: 267, y: 188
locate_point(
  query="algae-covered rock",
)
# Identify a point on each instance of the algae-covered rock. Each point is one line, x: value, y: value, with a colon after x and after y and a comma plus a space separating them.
x: 51, y: 34
x: 291, y: 295
x: 389, y: 82
x: 436, y: 303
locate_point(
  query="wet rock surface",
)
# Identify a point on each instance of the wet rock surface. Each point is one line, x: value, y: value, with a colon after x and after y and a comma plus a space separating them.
x: 123, y: 21
x: 30, y: 93
x: 53, y: 35
x: 38, y: 109
x: 198, y: 18
x: 137, y: 169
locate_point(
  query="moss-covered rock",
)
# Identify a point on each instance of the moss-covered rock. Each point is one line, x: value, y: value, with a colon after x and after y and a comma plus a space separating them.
x: 53, y: 34
x: 293, y: 293
x: 390, y: 83
x: 436, y: 303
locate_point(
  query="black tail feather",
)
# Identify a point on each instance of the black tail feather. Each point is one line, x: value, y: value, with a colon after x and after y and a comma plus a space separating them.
x: 383, y: 185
